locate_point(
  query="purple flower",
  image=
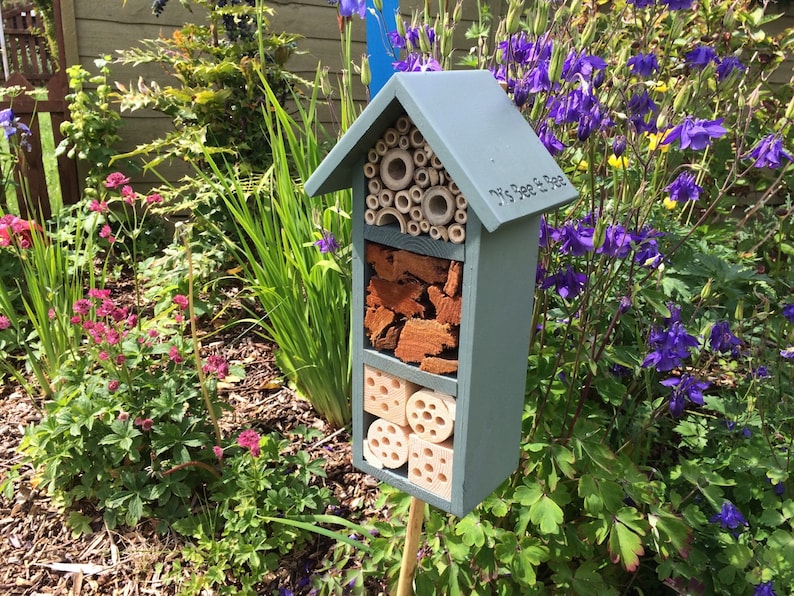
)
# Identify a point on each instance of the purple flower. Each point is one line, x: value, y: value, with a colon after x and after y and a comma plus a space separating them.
x: 685, y: 388
x: 684, y: 188
x: 670, y: 344
x: 547, y: 233
x: 701, y: 56
x: 568, y: 283
x: 624, y: 305
x: 768, y: 152
x: 788, y: 353
x: 520, y: 93
x: 643, y: 65
x: 677, y: 4
x: 788, y: 312
x: 396, y: 40
x: 762, y: 372
x: 695, y: 133
x: 580, y: 63
x: 327, y: 243
x: 729, y: 518
x: 249, y: 439
x: 647, y: 254
x: 765, y: 589
x: 617, y: 242
x: 642, y: 3
x: 416, y: 63
x: 5, y: 322
x: 722, y: 340
x: 552, y: 144
x: 728, y: 66
x: 347, y: 8
x: 577, y: 240
x: 619, y: 145
x: 641, y: 104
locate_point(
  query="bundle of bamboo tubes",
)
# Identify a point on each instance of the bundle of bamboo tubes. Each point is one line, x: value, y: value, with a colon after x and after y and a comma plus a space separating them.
x: 408, y: 185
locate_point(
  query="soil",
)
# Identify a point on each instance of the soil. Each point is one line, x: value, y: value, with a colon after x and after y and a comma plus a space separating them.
x: 39, y: 554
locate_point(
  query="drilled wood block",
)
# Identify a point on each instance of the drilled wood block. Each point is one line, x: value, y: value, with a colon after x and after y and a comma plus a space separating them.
x: 430, y: 466
x: 386, y: 396
x: 388, y: 443
x: 431, y: 415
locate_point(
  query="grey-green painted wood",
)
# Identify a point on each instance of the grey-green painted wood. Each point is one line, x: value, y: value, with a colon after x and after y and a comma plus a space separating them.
x: 499, y: 258
x: 492, y: 153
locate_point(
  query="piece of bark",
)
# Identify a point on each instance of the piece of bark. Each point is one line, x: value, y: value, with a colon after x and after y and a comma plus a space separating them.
x: 454, y: 277
x: 400, y: 298
x: 376, y: 320
x: 420, y: 338
x: 430, y: 270
x: 447, y: 308
x: 381, y: 259
x: 389, y: 339
x: 438, y: 366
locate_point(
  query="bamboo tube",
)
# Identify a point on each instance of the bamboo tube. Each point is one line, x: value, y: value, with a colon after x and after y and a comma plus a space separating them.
x: 381, y: 147
x: 416, y: 194
x: 390, y: 215
x: 461, y: 216
x: 436, y: 162
x: 372, y: 202
x: 416, y: 213
x: 370, y: 170
x: 402, y: 201
x: 374, y: 186
x: 386, y: 198
x: 403, y: 125
x: 419, y: 157
x: 404, y: 142
x: 453, y: 188
x: 416, y: 137
x: 397, y: 169
x: 372, y: 156
x: 461, y: 202
x: 438, y: 205
x: 439, y: 233
x: 424, y: 225
x: 370, y: 215
x: 457, y: 233
x: 412, y: 227
x: 391, y: 136
x: 422, y: 177
x: 434, y: 176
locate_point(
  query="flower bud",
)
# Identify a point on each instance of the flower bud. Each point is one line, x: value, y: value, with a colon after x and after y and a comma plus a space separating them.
x: 424, y: 41
x: 706, y: 291
x: 378, y: 4
x: 541, y: 20
x: 755, y: 97
x: 589, y: 32
x: 557, y: 62
x: 790, y: 109
x: 662, y: 120
x: 619, y: 145
x: 681, y: 98
x: 457, y: 13
x: 514, y: 10
x: 366, y: 73
x: 739, y: 312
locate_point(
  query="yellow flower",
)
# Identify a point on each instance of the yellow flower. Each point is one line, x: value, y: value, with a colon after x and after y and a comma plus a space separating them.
x: 655, y: 139
x: 660, y: 87
x: 582, y: 165
x: 621, y: 162
x: 669, y: 203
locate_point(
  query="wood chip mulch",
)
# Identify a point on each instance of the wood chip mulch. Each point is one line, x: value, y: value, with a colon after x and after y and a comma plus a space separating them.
x: 39, y: 554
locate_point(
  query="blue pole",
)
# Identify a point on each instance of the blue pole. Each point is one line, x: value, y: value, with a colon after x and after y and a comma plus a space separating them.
x: 380, y: 56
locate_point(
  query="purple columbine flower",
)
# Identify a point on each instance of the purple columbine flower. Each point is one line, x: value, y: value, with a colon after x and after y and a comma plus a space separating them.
x: 722, y: 340
x: 396, y: 40
x: 327, y: 243
x: 617, y: 242
x: 647, y: 254
x: 416, y: 63
x: 768, y: 152
x: 678, y: 4
x: 788, y: 353
x: 552, y: 144
x: 642, y: 3
x: 547, y: 233
x: 577, y: 240
x: 568, y: 283
x: 670, y: 345
x: 684, y: 188
x: 729, y: 518
x: 685, y: 387
x: 727, y: 66
x: 765, y: 589
x: 619, y: 145
x: 695, y: 133
x: 643, y: 65
x: 641, y: 104
x: 582, y: 64
x: 701, y: 56
x: 347, y: 8
x: 788, y: 312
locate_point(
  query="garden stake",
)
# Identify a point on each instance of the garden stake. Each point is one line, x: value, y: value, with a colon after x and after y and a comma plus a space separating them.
x: 416, y: 515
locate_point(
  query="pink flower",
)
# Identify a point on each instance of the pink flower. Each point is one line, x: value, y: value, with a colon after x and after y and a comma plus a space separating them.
x: 51, y: 314
x: 216, y: 364
x: 82, y: 306
x: 179, y: 318
x: 181, y: 301
x: 249, y: 439
x: 173, y: 354
x: 98, y: 206
x: 75, y: 320
x: 106, y: 232
x: 218, y: 451
x: 113, y: 386
x: 129, y: 195
x: 123, y: 417
x: 103, y: 355
x: 5, y: 322
x: 99, y: 294
x: 115, y: 180
x: 121, y: 359
x: 112, y: 337
x: 154, y: 198
x: 146, y: 424
x: 152, y: 333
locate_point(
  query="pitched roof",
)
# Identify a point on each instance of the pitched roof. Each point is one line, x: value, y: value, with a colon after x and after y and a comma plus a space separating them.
x: 484, y: 142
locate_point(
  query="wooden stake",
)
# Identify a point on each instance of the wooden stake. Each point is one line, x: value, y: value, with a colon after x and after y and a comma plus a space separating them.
x: 413, y: 532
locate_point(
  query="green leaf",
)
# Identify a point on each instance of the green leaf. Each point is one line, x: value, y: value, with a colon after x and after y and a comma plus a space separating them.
x: 546, y: 515
x: 625, y: 546
x: 471, y: 530
x: 80, y: 524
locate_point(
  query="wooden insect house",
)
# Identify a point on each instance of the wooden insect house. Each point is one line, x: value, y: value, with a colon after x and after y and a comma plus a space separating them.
x: 449, y: 182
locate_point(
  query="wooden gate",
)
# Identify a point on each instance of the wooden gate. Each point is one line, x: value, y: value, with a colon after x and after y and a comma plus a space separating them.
x: 32, y: 65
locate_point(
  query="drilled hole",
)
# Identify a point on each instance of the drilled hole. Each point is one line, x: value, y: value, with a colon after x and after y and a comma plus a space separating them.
x: 420, y: 428
x: 395, y: 457
x: 442, y: 478
x: 416, y: 472
x: 428, y: 467
x: 391, y: 430
x: 384, y: 390
x: 384, y: 407
x: 431, y: 406
x: 420, y: 405
x: 427, y: 415
x: 428, y: 452
x: 374, y: 443
x: 395, y: 383
x: 370, y: 381
x: 440, y: 421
